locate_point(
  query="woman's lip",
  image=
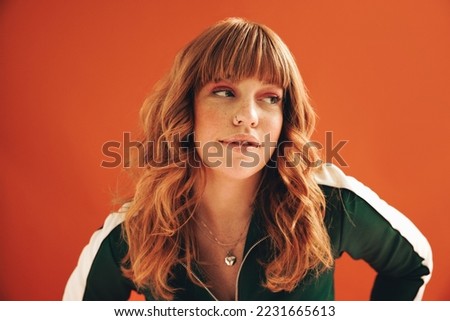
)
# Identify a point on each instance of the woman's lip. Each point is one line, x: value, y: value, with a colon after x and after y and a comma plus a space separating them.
x: 240, y: 143
x: 241, y: 139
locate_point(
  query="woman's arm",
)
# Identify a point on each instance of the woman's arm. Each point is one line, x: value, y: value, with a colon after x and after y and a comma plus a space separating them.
x: 366, y: 227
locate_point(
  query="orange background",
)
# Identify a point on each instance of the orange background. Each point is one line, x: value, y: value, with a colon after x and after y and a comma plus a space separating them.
x: 73, y: 75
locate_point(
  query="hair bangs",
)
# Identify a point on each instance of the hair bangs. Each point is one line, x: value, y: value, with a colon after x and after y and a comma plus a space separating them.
x: 238, y: 52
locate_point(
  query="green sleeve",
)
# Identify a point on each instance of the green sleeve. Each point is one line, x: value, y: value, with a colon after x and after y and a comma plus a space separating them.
x: 368, y: 232
x: 105, y: 280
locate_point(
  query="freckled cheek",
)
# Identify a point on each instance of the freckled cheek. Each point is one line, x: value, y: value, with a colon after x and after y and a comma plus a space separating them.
x: 207, y: 123
x: 274, y: 127
x: 215, y: 117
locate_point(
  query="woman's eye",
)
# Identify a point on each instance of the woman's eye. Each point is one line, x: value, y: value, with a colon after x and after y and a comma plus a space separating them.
x: 271, y: 99
x: 223, y: 93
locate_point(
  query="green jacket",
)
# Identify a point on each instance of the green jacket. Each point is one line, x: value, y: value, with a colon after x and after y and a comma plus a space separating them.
x: 358, y: 222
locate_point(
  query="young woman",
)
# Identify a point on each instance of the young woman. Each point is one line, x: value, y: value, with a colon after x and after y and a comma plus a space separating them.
x: 230, y: 203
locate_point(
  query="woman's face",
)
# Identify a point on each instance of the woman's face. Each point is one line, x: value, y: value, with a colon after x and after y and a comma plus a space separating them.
x: 237, y: 125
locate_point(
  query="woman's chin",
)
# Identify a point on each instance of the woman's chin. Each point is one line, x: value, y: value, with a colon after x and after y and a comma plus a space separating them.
x: 240, y: 171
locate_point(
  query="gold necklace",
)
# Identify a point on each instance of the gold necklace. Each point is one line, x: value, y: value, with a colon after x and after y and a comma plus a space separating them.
x: 230, y: 258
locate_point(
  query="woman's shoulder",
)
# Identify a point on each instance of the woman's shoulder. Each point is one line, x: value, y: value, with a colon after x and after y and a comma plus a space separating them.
x: 109, y: 237
x: 352, y: 201
x: 115, y: 218
x: 334, y: 180
x: 111, y: 228
x: 330, y: 175
x: 337, y: 186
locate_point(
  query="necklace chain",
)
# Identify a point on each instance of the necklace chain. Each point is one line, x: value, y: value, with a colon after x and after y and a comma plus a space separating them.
x: 230, y: 258
x: 223, y: 244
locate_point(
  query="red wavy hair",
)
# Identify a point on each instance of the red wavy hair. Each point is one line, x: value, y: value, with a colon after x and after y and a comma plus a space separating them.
x: 157, y: 227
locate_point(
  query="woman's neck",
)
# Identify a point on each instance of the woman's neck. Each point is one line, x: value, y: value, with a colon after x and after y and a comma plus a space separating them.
x: 227, y: 203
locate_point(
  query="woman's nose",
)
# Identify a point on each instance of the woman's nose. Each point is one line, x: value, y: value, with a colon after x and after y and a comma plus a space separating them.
x: 246, y: 114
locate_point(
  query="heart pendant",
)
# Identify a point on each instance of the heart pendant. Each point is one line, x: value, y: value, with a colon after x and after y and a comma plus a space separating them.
x: 230, y: 259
